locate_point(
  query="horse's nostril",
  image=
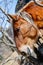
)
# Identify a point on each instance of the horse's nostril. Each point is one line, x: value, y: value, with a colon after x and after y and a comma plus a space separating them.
x: 23, y: 53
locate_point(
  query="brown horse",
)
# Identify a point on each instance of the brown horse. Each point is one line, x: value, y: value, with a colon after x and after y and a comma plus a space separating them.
x: 24, y: 33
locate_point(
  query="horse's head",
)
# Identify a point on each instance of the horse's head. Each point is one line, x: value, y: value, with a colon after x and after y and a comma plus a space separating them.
x: 24, y: 33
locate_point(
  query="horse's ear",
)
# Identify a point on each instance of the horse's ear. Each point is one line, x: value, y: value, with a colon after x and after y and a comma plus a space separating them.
x: 13, y: 17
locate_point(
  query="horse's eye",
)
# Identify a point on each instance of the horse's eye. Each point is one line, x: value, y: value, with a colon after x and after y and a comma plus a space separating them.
x: 17, y: 29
